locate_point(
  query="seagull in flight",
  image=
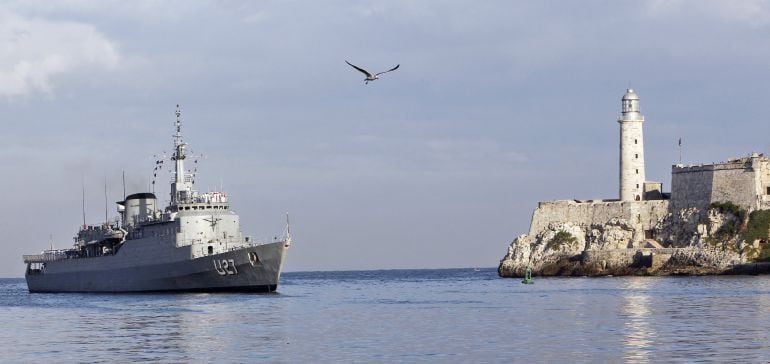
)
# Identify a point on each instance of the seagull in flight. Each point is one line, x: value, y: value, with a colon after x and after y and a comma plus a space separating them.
x: 369, y: 75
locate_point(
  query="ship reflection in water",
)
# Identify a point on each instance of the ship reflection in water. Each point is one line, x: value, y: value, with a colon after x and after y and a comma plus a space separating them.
x: 162, y: 328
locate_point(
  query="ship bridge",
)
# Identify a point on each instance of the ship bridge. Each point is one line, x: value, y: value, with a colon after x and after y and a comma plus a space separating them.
x: 203, y: 201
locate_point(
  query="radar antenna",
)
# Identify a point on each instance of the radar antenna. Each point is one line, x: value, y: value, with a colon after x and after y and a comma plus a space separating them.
x: 182, y: 187
x: 288, y: 230
x: 83, y: 187
x: 178, y: 136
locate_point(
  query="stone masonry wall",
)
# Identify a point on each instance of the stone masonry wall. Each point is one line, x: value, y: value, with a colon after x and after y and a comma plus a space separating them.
x: 763, y: 182
x: 741, y: 181
x: 641, y: 215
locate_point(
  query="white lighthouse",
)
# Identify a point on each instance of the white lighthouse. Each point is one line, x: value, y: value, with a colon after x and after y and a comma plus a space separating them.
x: 631, y: 149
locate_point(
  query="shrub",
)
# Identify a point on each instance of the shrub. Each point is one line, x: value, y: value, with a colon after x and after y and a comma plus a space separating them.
x: 560, y: 239
x: 764, y: 254
x: 729, y: 207
x: 759, y: 226
x: 730, y: 229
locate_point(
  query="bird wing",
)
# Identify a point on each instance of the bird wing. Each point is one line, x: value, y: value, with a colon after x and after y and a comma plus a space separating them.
x: 392, y: 69
x: 360, y: 69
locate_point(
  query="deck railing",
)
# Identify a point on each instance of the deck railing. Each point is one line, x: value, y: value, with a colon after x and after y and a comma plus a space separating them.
x: 45, y: 257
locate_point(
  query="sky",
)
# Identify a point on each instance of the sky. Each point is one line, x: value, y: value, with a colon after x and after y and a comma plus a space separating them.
x: 496, y: 105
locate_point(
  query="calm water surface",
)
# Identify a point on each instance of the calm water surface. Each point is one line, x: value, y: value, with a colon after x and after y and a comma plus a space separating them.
x: 453, y: 315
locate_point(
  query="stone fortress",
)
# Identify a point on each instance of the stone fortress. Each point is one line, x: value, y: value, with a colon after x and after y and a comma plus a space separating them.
x: 699, y: 227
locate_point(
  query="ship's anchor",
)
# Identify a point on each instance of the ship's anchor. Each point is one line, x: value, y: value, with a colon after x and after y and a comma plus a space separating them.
x: 527, y: 276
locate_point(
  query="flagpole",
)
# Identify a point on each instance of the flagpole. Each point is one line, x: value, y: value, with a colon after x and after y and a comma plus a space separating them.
x: 680, y: 150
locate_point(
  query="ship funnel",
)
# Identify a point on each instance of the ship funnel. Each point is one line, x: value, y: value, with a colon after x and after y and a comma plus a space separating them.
x: 139, y: 207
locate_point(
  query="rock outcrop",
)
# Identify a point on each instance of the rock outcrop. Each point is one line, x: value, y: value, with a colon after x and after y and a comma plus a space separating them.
x: 693, y: 241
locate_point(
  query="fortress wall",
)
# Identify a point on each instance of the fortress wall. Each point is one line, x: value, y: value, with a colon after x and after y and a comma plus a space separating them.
x: 642, y: 215
x: 735, y: 181
x: 691, y: 186
x: 654, y: 258
x: 736, y: 186
x: 762, y: 169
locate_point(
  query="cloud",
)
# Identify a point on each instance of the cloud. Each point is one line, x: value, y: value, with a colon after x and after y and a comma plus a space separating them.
x: 35, y: 50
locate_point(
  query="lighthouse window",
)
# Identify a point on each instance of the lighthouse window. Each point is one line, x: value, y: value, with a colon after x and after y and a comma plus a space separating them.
x: 637, y: 185
x: 637, y: 171
x: 636, y: 156
x: 635, y: 141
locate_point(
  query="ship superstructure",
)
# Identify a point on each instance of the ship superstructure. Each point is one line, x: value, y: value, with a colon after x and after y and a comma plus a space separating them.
x: 193, y: 244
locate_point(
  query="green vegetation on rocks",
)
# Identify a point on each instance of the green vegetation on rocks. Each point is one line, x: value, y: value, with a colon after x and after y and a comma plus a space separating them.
x: 759, y: 226
x: 729, y: 229
x: 759, y: 229
x: 729, y: 208
x: 764, y: 254
x: 560, y: 239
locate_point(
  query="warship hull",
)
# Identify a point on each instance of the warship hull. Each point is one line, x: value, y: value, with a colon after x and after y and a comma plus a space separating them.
x: 194, y: 244
x: 249, y: 269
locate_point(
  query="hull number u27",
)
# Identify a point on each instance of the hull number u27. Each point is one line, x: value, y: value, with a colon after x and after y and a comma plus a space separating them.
x: 225, y: 267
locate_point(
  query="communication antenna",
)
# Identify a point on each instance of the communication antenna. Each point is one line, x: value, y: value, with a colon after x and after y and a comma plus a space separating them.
x: 105, y: 200
x: 83, y: 186
x: 288, y: 229
x: 288, y: 225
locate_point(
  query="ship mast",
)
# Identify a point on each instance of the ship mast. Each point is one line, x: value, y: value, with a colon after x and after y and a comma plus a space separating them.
x: 181, y: 188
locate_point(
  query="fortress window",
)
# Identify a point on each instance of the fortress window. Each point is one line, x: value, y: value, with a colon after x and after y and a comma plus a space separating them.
x: 635, y: 141
x: 637, y: 171
x: 637, y: 185
x: 636, y: 156
x: 768, y: 190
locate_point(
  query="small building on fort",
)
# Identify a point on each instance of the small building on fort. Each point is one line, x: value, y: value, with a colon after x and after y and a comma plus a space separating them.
x: 644, y: 227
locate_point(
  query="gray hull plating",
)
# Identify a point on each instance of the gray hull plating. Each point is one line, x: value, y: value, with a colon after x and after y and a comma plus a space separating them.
x: 194, y: 244
x: 235, y: 271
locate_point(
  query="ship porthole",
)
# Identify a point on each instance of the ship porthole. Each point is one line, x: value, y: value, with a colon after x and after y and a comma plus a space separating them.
x: 253, y: 258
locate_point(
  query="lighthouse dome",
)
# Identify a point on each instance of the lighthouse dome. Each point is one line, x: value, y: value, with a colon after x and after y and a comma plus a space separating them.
x: 630, y: 105
x: 630, y: 95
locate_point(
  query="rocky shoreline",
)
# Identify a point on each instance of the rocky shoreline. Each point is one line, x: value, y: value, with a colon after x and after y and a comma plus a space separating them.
x: 573, y: 267
x: 715, y: 220
x: 689, y: 242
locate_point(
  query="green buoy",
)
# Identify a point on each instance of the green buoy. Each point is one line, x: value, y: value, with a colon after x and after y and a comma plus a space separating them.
x: 528, y: 277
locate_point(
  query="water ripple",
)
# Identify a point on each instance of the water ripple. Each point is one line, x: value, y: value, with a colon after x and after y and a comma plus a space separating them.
x: 459, y: 315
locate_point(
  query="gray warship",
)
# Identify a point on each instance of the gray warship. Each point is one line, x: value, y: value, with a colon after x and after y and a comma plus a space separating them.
x: 194, y: 244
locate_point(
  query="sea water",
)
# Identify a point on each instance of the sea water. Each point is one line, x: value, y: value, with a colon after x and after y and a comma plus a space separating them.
x: 448, y: 315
